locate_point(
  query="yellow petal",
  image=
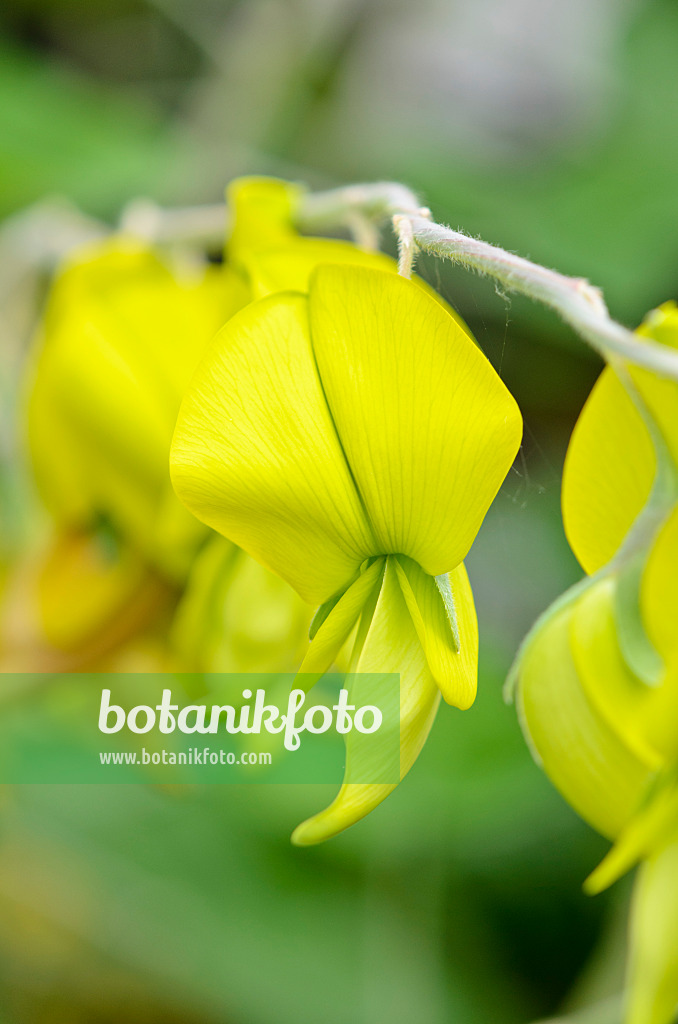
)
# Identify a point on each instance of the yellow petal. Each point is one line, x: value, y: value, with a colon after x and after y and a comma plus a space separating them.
x: 653, y: 968
x: 451, y: 648
x: 659, y: 589
x: 336, y: 628
x: 236, y: 616
x: 391, y: 644
x: 609, y: 470
x: 622, y: 700
x: 659, y: 393
x: 262, y: 212
x: 265, y: 246
x: 268, y: 451
x: 586, y: 761
x: 121, y: 337
x: 661, y: 325
x: 655, y: 824
x: 290, y: 268
x: 83, y: 586
x: 256, y: 455
x: 428, y: 428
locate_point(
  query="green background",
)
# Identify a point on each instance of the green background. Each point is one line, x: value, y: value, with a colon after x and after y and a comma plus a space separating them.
x: 51, y: 729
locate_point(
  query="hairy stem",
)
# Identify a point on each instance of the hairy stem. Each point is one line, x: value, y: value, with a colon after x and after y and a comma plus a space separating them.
x: 579, y: 303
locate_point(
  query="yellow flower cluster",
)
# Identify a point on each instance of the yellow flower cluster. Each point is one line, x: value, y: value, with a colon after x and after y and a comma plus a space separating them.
x: 598, y: 676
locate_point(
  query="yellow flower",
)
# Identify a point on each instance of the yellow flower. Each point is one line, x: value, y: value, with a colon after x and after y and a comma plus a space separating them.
x: 598, y: 676
x: 235, y: 616
x: 68, y: 605
x: 351, y: 440
x: 265, y: 248
x: 121, y: 336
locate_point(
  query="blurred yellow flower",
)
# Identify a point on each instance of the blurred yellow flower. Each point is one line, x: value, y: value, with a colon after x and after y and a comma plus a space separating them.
x: 598, y: 676
x: 121, y: 336
x: 266, y: 249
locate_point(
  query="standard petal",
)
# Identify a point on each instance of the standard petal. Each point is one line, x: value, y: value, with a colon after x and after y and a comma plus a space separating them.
x: 427, y: 426
x: 653, y: 967
x: 609, y: 470
x: 586, y: 761
x: 89, y: 419
x: 290, y: 268
x: 256, y: 456
x: 659, y: 393
x: 451, y: 648
x: 390, y: 644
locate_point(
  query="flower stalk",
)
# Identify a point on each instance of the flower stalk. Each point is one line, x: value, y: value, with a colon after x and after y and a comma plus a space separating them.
x: 579, y: 303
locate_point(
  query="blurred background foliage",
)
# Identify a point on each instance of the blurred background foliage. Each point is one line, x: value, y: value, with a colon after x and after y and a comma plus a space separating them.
x: 550, y: 128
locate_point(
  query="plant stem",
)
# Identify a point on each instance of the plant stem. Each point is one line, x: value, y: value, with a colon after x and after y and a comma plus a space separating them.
x: 579, y: 303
